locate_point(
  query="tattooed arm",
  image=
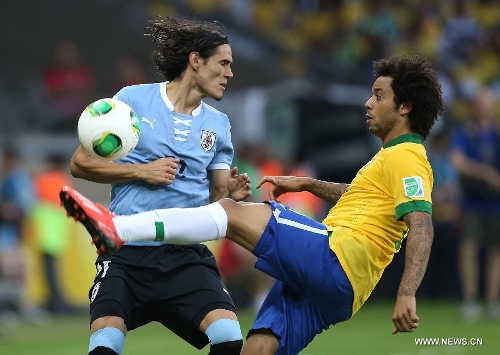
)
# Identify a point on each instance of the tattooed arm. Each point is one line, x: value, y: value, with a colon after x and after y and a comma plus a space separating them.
x: 418, y: 249
x: 329, y: 191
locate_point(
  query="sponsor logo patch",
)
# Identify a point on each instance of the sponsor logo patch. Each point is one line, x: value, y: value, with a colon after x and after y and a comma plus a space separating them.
x: 413, y: 186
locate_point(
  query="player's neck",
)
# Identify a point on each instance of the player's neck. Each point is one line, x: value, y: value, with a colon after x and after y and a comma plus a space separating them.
x: 183, y: 97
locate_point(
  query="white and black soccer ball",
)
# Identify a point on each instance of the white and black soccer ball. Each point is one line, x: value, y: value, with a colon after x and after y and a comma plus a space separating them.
x: 108, y: 129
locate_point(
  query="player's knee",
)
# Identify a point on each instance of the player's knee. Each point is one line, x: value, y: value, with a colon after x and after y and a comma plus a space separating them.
x: 107, y: 341
x: 225, y: 337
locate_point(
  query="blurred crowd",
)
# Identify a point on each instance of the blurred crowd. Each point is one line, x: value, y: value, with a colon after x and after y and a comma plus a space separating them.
x: 31, y: 218
x: 323, y: 41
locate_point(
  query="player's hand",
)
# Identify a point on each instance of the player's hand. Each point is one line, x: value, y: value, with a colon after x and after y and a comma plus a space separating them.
x: 281, y: 185
x: 239, y: 185
x: 405, y: 314
x: 160, y: 172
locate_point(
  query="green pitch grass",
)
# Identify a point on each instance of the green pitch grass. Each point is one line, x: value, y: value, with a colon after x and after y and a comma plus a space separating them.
x: 369, y: 332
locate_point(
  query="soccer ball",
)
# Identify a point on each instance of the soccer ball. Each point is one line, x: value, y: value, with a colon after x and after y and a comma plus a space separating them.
x: 108, y: 129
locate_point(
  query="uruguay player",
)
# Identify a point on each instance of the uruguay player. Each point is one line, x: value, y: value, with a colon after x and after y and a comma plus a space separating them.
x: 183, y: 159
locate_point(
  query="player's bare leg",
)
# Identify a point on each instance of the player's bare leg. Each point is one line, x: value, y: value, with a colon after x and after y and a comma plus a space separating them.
x: 260, y: 343
x: 246, y: 221
x: 108, y: 321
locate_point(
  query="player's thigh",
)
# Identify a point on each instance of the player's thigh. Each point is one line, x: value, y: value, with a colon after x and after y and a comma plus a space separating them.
x: 201, y: 299
x: 110, y: 305
x: 295, y: 250
x: 111, y: 299
x: 247, y: 221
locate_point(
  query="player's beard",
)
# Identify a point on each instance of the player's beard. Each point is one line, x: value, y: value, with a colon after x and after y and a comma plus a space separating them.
x: 383, y: 127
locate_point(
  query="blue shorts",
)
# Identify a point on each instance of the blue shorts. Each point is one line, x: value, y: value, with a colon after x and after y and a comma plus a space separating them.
x: 312, y: 291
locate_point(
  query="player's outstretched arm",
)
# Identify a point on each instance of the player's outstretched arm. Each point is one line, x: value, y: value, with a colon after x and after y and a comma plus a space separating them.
x: 329, y: 191
x: 418, y: 249
x: 84, y: 166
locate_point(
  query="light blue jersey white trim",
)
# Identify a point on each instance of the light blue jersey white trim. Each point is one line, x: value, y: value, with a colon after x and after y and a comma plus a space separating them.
x: 202, y: 140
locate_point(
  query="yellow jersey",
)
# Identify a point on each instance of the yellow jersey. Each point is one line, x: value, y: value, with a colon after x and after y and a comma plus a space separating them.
x: 365, y: 225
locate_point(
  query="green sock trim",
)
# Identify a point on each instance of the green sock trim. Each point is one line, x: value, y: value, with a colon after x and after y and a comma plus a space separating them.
x: 160, y: 231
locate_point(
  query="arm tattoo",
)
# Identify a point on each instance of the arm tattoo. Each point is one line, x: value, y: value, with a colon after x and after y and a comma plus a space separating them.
x: 418, y: 249
x: 329, y: 191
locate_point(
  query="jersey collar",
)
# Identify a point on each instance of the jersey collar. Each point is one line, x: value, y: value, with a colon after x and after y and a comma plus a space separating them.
x: 163, y: 93
x: 405, y: 138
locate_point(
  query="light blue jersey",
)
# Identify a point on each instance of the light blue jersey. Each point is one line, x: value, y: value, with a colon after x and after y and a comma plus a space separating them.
x: 202, y: 140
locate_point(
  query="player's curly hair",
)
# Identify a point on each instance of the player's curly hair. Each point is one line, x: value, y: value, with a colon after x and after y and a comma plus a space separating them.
x: 175, y: 39
x: 414, y: 82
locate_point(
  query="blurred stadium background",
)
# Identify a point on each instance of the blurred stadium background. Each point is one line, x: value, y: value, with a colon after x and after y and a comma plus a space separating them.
x: 302, y: 74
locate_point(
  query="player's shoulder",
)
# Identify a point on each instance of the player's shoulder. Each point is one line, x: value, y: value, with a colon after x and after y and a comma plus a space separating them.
x: 209, y: 109
x: 138, y: 88
x: 134, y: 95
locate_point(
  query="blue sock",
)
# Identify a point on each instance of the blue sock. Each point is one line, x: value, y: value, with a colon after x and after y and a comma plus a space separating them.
x: 111, y: 338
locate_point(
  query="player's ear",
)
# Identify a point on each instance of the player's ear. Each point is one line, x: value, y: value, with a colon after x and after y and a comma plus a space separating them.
x: 194, y: 60
x: 405, y: 108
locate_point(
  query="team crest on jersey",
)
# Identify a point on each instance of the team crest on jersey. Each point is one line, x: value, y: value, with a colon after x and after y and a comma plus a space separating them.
x: 413, y: 186
x: 207, y: 140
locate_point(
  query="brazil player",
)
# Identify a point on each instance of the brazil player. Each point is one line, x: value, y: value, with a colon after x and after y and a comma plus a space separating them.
x: 183, y: 159
x: 325, y: 271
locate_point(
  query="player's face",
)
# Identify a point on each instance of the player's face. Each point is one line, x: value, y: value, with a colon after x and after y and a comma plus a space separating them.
x: 215, y: 72
x: 382, y: 115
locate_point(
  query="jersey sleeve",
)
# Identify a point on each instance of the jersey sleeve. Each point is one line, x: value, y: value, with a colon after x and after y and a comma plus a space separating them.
x: 122, y: 95
x: 408, y: 175
x: 224, y: 155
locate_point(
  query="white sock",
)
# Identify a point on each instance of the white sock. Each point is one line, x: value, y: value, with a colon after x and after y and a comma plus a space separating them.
x: 174, y: 225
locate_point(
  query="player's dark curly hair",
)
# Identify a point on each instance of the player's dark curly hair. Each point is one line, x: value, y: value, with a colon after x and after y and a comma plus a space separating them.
x: 175, y: 39
x: 414, y: 82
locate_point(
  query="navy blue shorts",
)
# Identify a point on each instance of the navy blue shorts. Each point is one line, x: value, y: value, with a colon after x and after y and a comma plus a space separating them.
x: 175, y: 285
x: 312, y: 291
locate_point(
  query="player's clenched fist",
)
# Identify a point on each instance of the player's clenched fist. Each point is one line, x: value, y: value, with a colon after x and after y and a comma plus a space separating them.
x: 160, y: 172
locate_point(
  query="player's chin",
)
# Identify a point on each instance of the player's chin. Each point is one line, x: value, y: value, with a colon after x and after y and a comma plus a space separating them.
x: 218, y: 92
x: 218, y: 96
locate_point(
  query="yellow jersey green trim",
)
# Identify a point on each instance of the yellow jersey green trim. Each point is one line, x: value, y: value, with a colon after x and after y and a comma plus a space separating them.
x: 411, y: 206
x: 405, y: 138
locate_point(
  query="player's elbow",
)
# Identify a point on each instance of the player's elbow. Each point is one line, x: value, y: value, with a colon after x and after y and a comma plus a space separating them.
x: 74, y: 170
x: 77, y: 167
